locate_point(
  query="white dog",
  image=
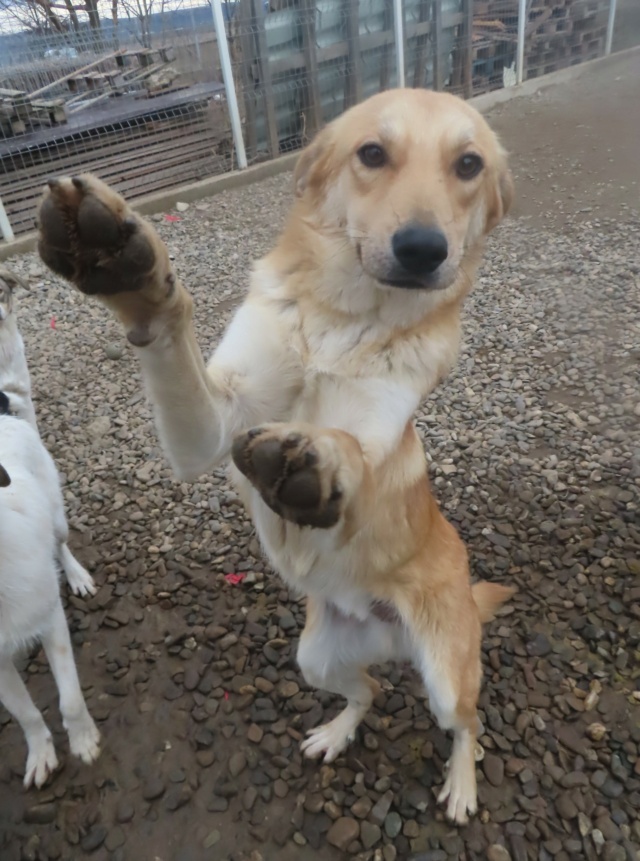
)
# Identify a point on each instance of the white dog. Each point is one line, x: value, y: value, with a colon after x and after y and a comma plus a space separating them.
x: 14, y: 373
x: 33, y: 535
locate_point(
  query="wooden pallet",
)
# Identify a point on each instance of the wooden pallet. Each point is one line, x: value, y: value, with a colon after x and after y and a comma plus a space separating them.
x: 156, y: 152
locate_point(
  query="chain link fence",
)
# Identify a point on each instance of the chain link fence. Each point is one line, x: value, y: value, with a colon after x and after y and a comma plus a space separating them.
x: 133, y: 90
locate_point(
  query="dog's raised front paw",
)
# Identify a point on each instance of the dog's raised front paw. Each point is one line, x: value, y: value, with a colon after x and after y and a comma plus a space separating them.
x: 90, y: 236
x: 295, y: 474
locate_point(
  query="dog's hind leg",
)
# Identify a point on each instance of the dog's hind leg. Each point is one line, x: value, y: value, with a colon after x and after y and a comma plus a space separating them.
x: 41, y: 757
x: 450, y: 666
x: 83, y: 734
x: 79, y: 580
x: 333, y: 655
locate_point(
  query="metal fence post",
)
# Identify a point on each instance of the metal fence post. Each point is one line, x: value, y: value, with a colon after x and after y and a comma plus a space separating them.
x: 5, y: 226
x: 229, y: 85
x: 398, y: 26
x: 610, y: 25
x: 522, y: 24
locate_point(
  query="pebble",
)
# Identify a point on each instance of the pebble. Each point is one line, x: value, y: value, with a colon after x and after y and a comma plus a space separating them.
x: 493, y: 767
x: 153, y: 789
x: 392, y: 825
x: 94, y: 838
x: 40, y: 814
x: 343, y: 832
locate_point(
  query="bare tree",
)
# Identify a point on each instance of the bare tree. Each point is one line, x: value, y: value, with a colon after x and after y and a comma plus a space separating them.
x: 45, y: 15
x: 143, y: 11
x: 39, y: 16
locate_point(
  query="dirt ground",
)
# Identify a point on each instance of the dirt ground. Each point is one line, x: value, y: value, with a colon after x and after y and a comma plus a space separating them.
x: 535, y: 457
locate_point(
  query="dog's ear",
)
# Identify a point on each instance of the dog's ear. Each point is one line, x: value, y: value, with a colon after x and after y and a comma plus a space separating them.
x: 312, y: 163
x: 501, y: 194
x: 11, y: 279
x: 5, y: 481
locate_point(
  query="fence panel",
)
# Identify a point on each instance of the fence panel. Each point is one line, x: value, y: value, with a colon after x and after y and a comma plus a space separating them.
x: 138, y: 97
x: 139, y: 102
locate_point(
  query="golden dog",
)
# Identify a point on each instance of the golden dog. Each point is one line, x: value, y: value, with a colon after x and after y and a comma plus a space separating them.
x: 349, y: 323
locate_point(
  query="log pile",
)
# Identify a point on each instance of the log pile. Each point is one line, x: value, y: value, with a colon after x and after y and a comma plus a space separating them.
x: 18, y: 112
x: 558, y: 33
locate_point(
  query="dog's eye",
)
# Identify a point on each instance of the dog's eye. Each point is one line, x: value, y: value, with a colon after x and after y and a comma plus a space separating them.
x: 469, y: 165
x: 372, y: 155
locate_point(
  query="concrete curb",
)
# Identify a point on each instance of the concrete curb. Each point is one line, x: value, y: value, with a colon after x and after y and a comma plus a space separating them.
x: 164, y: 200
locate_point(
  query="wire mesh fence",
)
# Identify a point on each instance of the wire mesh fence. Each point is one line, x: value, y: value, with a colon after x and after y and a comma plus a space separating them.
x: 132, y: 89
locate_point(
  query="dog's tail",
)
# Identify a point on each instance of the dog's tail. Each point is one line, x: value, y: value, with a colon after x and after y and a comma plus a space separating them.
x: 489, y: 597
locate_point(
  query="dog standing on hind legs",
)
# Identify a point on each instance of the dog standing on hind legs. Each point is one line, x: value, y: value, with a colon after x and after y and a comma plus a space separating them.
x: 32, y: 523
x: 350, y: 322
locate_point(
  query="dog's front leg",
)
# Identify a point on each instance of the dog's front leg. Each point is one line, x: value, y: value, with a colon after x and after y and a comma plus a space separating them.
x: 91, y: 237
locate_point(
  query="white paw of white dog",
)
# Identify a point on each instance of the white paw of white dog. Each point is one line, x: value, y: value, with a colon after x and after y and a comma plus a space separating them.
x: 84, y: 739
x: 459, y: 791
x: 80, y: 581
x: 331, y: 738
x: 41, y: 761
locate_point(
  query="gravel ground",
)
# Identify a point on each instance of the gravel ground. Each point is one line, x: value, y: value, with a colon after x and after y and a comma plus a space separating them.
x: 535, y: 454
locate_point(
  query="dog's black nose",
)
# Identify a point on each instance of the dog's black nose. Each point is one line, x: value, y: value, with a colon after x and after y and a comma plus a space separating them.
x: 418, y: 249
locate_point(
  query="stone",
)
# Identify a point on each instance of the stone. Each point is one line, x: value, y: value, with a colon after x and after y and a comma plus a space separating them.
x: 370, y: 834
x: 95, y: 838
x: 497, y: 852
x: 381, y: 808
x: 493, y: 767
x: 343, y: 832
x: 392, y: 825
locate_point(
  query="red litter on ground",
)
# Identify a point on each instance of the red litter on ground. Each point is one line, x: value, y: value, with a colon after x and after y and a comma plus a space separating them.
x: 234, y: 579
x: 226, y: 695
x: 172, y: 218
x: 53, y: 323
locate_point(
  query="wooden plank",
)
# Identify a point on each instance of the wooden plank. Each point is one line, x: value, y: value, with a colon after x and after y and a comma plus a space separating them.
x: 419, y: 70
x: 438, y: 56
x: 73, y: 74
x: 387, y: 53
x: 314, y: 105
x: 353, y: 85
x: 264, y: 74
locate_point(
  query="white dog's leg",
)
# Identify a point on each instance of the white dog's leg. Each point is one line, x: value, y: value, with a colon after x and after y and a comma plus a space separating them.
x: 79, y: 580
x: 333, y: 654
x: 41, y: 758
x: 83, y: 734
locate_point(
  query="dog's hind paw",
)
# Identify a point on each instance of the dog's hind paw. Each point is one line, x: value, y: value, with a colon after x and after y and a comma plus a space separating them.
x: 459, y: 791
x: 41, y: 762
x: 297, y: 475
x: 81, y: 582
x: 330, y: 739
x: 84, y: 739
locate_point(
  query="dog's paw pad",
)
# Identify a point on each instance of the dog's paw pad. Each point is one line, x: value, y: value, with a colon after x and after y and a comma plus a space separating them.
x: 88, y: 235
x: 286, y: 468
